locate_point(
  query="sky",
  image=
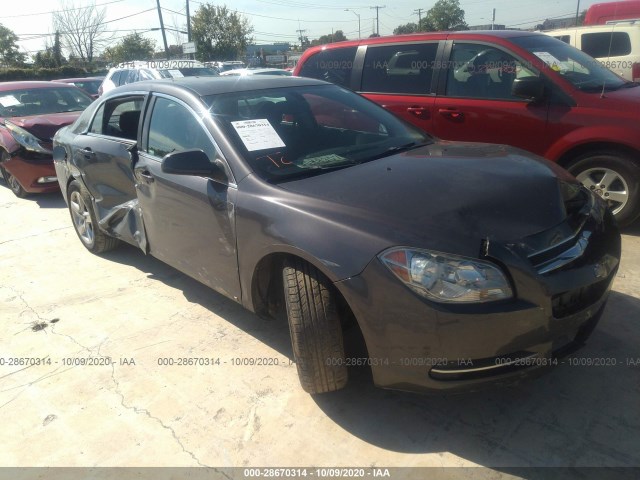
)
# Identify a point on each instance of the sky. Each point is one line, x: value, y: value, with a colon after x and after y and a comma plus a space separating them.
x: 274, y: 20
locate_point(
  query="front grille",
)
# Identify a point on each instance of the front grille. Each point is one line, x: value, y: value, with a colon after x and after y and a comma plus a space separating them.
x: 573, y: 301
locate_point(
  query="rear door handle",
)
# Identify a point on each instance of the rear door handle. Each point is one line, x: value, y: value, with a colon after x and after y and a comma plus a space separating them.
x: 451, y: 113
x: 418, y: 111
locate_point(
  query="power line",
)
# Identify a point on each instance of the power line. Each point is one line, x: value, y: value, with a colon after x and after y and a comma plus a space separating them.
x: 56, y: 11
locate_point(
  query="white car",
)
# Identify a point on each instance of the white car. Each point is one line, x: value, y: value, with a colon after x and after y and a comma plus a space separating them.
x: 138, y: 70
x: 616, y: 45
x: 256, y: 71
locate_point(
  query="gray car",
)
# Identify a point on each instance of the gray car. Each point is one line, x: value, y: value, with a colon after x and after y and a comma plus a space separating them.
x: 460, y: 264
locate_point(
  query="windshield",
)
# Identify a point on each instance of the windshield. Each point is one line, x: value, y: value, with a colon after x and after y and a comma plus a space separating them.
x: 41, y: 101
x: 584, y: 72
x: 188, y: 72
x: 294, y: 132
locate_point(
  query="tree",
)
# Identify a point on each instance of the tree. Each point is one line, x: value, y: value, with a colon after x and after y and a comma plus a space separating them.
x: 51, y: 56
x: 406, y: 28
x: 337, y: 36
x: 219, y: 33
x: 132, y: 47
x: 83, y: 29
x: 444, y: 15
x: 9, y: 53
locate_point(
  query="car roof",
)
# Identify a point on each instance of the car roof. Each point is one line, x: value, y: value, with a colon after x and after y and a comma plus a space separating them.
x: 4, y: 86
x: 77, y: 79
x: 425, y: 36
x: 204, y: 86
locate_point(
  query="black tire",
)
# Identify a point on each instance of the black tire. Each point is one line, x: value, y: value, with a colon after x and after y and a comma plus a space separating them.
x: 624, y: 175
x: 12, y: 182
x: 316, y: 331
x: 84, y: 220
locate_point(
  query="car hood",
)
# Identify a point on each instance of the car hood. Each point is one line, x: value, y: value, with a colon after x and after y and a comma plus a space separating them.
x: 448, y: 196
x: 45, y: 126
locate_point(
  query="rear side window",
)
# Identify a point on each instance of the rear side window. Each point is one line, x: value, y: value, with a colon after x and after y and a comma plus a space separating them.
x: 118, y: 117
x: 606, y: 44
x: 117, y: 77
x: 399, y: 68
x: 332, y: 65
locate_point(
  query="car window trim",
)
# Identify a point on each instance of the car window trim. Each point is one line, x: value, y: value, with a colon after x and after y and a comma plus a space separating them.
x: 144, y: 140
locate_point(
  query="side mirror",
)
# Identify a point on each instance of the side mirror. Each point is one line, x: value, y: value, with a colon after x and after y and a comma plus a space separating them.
x: 530, y: 88
x: 193, y: 162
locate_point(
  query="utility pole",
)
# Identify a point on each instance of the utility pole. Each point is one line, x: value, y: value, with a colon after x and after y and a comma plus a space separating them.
x: 188, y: 23
x: 577, y: 13
x: 300, y: 32
x: 164, y: 34
x: 377, y: 7
x: 493, y: 19
x: 419, y: 13
x: 357, y: 15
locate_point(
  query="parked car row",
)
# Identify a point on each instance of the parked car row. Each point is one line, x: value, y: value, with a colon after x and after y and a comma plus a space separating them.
x: 524, y: 89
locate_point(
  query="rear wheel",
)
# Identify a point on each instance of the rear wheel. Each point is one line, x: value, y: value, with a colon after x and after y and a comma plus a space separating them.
x: 316, y: 331
x: 615, y: 178
x: 84, y: 221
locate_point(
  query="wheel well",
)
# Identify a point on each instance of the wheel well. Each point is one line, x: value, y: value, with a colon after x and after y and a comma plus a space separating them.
x: 267, y: 292
x: 593, y: 147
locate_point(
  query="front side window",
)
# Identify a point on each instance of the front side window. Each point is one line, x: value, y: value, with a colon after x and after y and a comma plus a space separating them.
x: 331, y: 65
x: 42, y: 101
x: 481, y: 71
x: 405, y: 69
x: 175, y: 128
x: 288, y: 133
x: 118, y: 117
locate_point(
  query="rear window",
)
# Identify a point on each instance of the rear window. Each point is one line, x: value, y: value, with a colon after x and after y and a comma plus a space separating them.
x: 399, y: 68
x: 606, y: 44
x: 332, y: 65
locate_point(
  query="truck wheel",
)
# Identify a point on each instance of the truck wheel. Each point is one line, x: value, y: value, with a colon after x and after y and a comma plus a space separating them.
x: 316, y: 331
x: 615, y: 178
x: 85, y: 223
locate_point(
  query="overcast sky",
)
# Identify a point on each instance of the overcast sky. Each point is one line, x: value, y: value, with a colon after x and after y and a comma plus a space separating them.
x: 276, y: 20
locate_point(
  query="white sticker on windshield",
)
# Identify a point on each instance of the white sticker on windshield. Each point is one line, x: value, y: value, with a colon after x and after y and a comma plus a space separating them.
x: 550, y: 60
x: 258, y: 134
x: 176, y: 73
x: 9, y: 101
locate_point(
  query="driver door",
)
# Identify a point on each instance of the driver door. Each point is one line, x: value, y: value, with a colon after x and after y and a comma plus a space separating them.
x: 189, y: 220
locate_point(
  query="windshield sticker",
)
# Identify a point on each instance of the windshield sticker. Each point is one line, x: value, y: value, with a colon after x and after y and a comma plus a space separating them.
x: 258, y: 134
x: 9, y: 101
x: 176, y: 73
x: 323, y: 161
x: 550, y: 60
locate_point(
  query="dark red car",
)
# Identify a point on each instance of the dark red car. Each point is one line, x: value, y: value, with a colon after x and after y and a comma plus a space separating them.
x: 89, y: 84
x: 518, y: 88
x: 30, y: 114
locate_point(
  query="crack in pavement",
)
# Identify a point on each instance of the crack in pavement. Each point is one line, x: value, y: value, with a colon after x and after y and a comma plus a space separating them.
x: 146, y: 412
x: 34, y: 235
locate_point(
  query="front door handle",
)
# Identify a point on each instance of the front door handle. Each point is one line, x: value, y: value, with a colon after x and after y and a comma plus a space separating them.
x: 452, y: 113
x: 144, y: 175
x: 88, y: 153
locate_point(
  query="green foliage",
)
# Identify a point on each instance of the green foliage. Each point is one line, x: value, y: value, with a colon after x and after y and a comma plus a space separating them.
x: 337, y: 36
x: 131, y: 47
x: 406, y: 28
x: 444, y: 15
x: 13, y: 74
x: 9, y: 53
x: 219, y: 33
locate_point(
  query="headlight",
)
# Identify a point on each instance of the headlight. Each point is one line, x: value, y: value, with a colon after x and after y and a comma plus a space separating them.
x: 25, y: 139
x: 446, y: 278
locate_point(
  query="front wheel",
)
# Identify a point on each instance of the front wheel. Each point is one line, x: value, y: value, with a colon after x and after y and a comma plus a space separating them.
x: 12, y: 182
x: 615, y: 178
x: 315, y: 327
x: 84, y: 221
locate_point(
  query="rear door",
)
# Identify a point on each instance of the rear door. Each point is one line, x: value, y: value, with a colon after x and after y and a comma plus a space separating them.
x: 189, y: 220
x: 475, y: 104
x: 400, y: 77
